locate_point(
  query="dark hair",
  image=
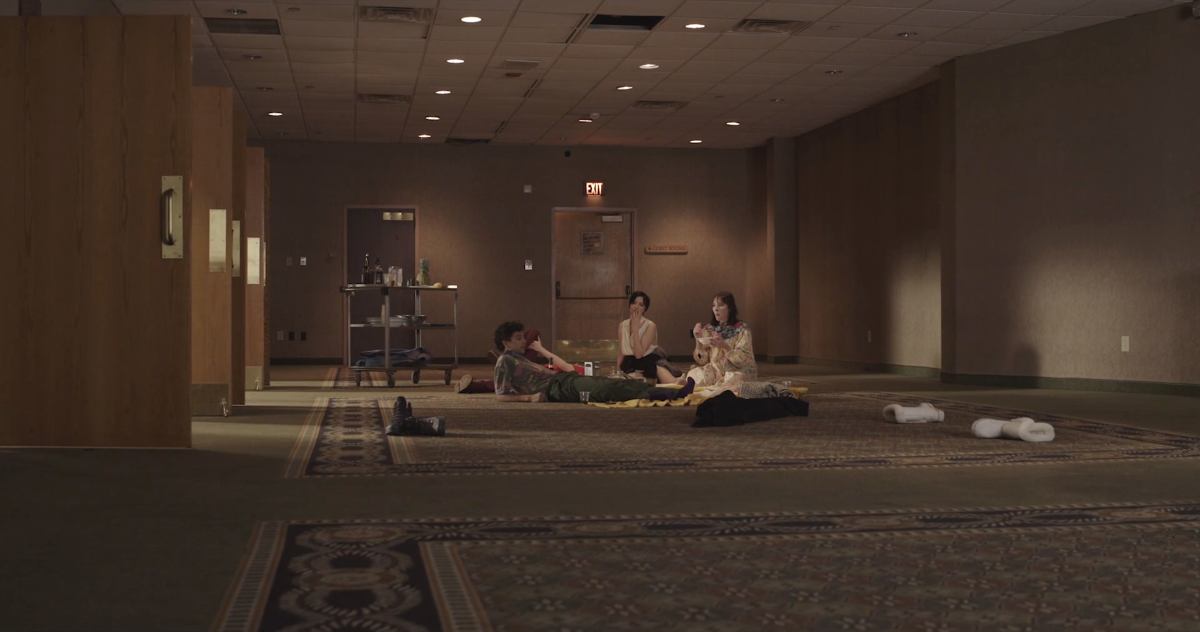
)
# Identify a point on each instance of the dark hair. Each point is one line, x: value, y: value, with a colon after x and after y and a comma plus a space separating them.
x: 727, y: 299
x: 645, y: 298
x: 505, y: 332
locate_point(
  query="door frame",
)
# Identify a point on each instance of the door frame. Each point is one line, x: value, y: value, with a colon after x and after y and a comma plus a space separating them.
x: 633, y: 249
x: 345, y: 255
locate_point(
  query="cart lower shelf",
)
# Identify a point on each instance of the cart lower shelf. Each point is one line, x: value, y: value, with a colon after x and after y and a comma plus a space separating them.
x: 391, y: 377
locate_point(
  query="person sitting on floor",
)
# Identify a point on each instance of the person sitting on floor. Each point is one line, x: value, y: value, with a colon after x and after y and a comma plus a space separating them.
x: 724, y: 349
x: 519, y: 380
x: 640, y: 351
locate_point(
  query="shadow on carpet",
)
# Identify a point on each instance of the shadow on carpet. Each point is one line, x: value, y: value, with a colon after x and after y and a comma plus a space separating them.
x: 346, y: 437
x: 1104, y: 567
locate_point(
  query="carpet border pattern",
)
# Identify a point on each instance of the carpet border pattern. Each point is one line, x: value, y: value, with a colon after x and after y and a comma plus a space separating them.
x: 395, y: 459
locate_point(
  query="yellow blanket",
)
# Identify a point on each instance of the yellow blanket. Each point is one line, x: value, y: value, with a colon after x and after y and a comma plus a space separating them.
x: 690, y: 400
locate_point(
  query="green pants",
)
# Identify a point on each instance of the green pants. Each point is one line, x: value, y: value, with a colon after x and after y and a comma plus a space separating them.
x: 566, y: 386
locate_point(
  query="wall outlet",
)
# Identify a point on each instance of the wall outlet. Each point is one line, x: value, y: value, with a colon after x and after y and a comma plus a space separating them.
x: 303, y: 336
x: 868, y: 335
x: 279, y: 335
x: 1125, y: 344
x: 303, y: 261
x: 291, y: 335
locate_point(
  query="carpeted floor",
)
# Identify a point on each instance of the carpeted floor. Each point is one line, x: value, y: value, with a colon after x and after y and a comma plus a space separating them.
x: 1037, y: 568
x: 848, y: 532
x: 346, y: 437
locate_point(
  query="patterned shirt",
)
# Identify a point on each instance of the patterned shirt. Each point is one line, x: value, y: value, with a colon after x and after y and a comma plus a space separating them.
x: 515, y: 375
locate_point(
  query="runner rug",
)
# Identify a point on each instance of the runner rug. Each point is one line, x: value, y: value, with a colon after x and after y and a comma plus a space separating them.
x: 1110, y: 567
x: 346, y: 437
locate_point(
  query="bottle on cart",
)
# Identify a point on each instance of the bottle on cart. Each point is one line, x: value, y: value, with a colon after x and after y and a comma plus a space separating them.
x: 368, y: 275
x: 378, y: 272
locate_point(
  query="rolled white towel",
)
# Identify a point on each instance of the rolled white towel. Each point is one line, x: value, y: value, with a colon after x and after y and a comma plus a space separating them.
x: 913, y: 414
x: 1022, y: 428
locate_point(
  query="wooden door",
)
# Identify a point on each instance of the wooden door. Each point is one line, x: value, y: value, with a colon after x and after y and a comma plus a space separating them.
x: 593, y: 275
x: 95, y: 336
x: 393, y: 240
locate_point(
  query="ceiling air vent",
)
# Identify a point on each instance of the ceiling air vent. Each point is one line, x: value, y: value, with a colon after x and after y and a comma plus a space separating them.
x: 467, y: 141
x: 771, y: 27
x: 401, y: 15
x: 395, y: 99
x: 625, y: 22
x: 235, y: 26
x: 659, y: 105
x: 521, y: 64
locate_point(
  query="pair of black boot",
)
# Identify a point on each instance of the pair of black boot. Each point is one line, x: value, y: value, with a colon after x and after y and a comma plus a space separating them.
x: 404, y: 423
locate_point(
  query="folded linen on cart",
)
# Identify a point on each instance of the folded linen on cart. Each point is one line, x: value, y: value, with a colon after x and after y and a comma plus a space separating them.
x: 400, y: 357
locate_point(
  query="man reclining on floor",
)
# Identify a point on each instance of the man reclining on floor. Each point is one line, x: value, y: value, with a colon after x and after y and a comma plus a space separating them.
x: 519, y: 380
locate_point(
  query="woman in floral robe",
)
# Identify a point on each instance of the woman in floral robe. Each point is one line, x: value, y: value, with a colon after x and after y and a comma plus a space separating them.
x: 724, y: 349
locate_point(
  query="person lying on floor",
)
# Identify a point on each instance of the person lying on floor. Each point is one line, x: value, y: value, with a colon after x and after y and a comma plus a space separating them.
x: 534, y: 352
x: 519, y: 380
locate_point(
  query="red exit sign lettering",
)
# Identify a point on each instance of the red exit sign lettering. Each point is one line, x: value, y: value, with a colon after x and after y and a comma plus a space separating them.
x: 594, y: 188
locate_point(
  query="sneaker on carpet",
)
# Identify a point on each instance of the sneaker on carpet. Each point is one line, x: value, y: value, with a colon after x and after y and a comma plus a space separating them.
x: 463, y: 384
x: 426, y: 426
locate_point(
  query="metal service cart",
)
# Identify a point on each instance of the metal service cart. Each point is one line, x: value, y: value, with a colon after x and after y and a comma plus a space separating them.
x: 385, y: 291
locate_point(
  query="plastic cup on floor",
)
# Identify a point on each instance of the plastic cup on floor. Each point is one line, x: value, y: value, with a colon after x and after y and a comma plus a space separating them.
x: 584, y: 396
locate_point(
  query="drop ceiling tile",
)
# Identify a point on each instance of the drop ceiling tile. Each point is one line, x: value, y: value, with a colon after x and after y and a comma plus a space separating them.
x: 1007, y: 21
x: 322, y: 56
x: 664, y: 65
x: 837, y: 29
x: 391, y: 45
x: 909, y: 60
x: 319, y: 43
x: 499, y: 61
x: 1047, y: 7
x: 1027, y: 36
x: 575, y: 75
x: 445, y: 83
x: 680, y: 25
x: 571, y: 63
x: 896, y: 73
x: 511, y: 49
x: 865, y: 15
x: 584, y: 51
x: 607, y: 37
x: 489, y: 18
x: 749, y: 89
x: 729, y: 54
x: 856, y: 59
x: 634, y: 76
x: 654, y: 54
x: 712, y: 67
x: 398, y: 59
x: 828, y: 44
x: 800, y: 12
x: 756, y: 41
x: 247, y: 41
x: 947, y: 49
x: 322, y: 69
x: 343, y: 12
x: 273, y: 86
x: 965, y: 5
x: 379, y: 30
x: 929, y: 17
x: 237, y: 67
x: 881, y: 46
x: 975, y: 36
x: 508, y: 73
x: 153, y: 7
x: 788, y: 93
x: 324, y: 82
x: 1117, y: 8
x: 537, y: 35
x: 375, y: 75
x: 466, y: 33
x: 313, y: 28
x: 680, y: 87
x: 254, y: 10
x: 324, y: 100
x: 528, y: 19
x: 779, y: 71
x: 545, y: 106
x: 892, y: 32
x: 639, y: 7
x: 793, y: 57
x: 1071, y: 22
x: 559, y: 6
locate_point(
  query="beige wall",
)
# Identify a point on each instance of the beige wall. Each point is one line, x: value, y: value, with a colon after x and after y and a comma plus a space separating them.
x: 869, y: 235
x: 1078, y: 204
x: 477, y: 227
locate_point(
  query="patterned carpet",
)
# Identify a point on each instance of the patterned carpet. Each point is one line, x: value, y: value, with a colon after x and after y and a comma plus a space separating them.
x: 1113, y: 567
x: 345, y: 437
x: 342, y: 377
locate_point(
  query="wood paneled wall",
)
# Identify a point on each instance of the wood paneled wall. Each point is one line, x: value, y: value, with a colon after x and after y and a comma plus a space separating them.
x: 94, y: 347
x: 256, y: 334
x: 237, y: 382
x: 212, y: 293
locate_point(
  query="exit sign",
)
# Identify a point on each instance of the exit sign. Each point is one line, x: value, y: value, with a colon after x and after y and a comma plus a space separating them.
x: 594, y: 188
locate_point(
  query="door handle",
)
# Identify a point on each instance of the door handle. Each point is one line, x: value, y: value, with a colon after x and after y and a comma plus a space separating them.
x: 626, y: 291
x: 166, y: 206
x: 558, y: 289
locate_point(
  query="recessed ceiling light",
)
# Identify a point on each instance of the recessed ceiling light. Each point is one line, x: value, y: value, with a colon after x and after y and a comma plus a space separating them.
x: 433, y: 118
x: 732, y: 123
x: 470, y: 19
x: 648, y: 66
x: 624, y: 87
x: 776, y: 100
x: 833, y: 72
x: 454, y: 61
x: 694, y: 26
x: 695, y: 142
x: 251, y: 57
x: 442, y: 92
x: 265, y: 88
x: 274, y: 113
x: 906, y: 33
x: 236, y: 11
x: 585, y: 120
x: 424, y: 136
